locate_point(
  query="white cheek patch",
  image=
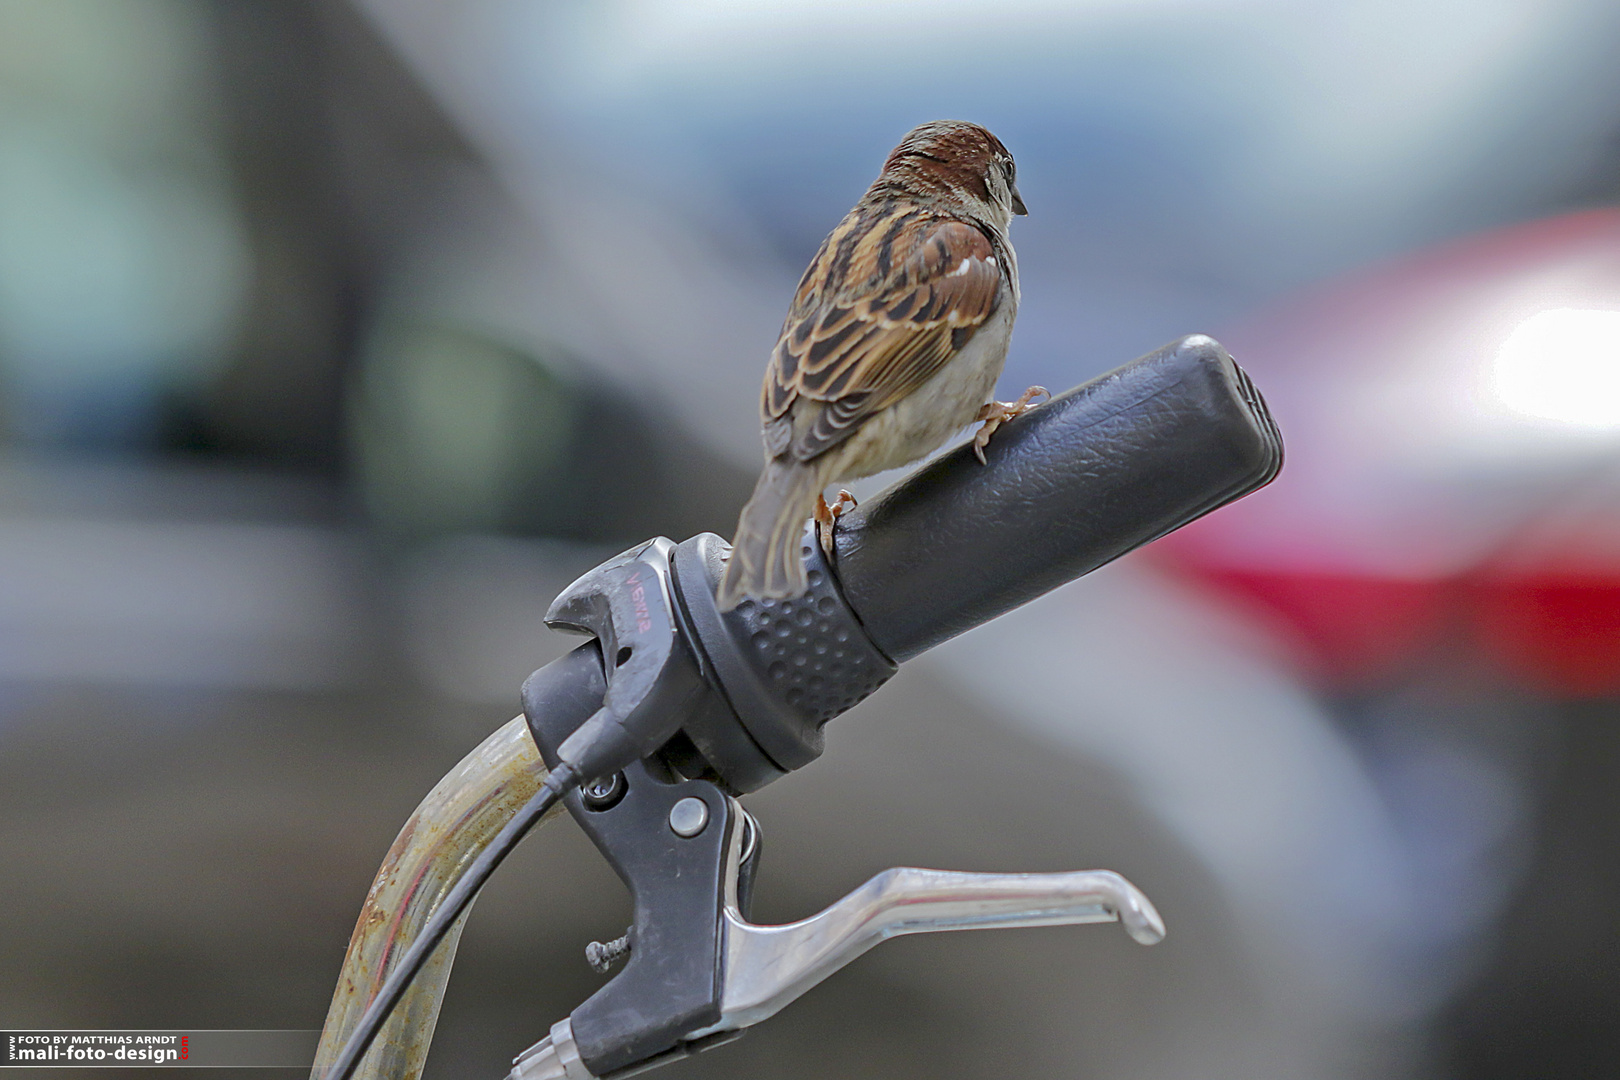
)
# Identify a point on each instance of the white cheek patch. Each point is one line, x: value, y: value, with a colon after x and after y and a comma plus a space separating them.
x: 960, y: 270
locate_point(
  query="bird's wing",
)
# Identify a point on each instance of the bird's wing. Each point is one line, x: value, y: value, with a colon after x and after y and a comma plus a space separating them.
x: 890, y: 298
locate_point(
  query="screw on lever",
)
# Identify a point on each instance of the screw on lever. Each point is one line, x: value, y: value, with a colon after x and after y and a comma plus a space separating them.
x: 603, y: 955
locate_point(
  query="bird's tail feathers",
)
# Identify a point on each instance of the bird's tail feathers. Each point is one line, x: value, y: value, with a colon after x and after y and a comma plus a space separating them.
x: 765, y: 560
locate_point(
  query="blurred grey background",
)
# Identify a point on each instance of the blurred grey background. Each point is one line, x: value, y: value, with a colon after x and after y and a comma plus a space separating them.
x: 336, y: 338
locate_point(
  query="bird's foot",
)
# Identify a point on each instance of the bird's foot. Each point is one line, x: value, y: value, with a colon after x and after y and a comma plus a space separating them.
x: 827, y: 518
x: 996, y: 413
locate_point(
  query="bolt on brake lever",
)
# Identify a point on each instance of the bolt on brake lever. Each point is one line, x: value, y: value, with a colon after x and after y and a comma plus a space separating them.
x: 699, y: 972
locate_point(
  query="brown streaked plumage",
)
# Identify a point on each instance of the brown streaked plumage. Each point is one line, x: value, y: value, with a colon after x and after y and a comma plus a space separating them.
x: 893, y: 342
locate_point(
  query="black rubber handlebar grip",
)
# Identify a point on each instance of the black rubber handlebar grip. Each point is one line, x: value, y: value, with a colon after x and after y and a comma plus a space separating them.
x: 1070, y: 486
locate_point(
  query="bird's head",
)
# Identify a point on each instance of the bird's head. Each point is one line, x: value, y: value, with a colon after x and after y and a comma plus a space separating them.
x: 958, y: 164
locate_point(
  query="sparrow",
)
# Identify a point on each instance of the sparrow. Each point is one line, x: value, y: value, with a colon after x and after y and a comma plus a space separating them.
x: 892, y: 344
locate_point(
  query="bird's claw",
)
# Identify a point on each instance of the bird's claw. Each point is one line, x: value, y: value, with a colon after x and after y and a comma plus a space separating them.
x: 996, y: 413
x: 827, y: 518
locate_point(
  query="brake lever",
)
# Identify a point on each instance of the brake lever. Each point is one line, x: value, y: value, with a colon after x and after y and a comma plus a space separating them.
x: 762, y: 969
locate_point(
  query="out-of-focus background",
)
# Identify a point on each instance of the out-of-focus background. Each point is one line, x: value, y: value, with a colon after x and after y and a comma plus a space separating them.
x: 335, y: 338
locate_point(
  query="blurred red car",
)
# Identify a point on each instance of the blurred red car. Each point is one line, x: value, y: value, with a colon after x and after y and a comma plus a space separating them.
x: 1453, y: 432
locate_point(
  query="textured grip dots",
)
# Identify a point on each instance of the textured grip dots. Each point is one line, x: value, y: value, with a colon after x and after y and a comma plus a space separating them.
x: 784, y: 667
x: 813, y: 654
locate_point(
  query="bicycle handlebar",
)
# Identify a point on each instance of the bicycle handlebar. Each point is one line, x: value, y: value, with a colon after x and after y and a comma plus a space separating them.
x: 742, y: 696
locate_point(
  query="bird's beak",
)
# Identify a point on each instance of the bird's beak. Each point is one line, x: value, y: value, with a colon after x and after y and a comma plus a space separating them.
x: 1018, y: 206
